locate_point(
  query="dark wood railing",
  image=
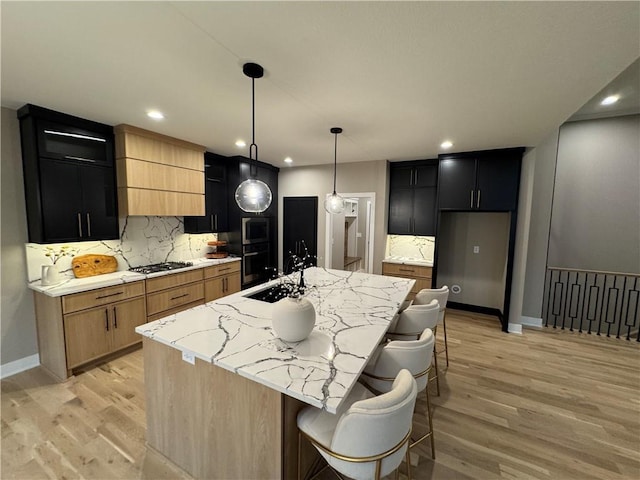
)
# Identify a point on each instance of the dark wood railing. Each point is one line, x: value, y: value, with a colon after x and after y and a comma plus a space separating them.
x: 593, y: 302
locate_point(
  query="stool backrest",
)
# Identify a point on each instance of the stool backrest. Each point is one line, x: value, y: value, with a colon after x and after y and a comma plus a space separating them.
x: 374, y: 426
x: 427, y: 295
x: 415, y: 318
x: 413, y: 355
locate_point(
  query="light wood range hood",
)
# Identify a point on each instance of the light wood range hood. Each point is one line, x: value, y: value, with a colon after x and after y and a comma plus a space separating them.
x: 157, y: 174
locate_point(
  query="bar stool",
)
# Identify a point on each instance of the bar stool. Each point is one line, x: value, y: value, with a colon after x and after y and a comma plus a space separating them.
x: 427, y: 295
x: 412, y: 322
x: 369, y: 436
x: 390, y: 358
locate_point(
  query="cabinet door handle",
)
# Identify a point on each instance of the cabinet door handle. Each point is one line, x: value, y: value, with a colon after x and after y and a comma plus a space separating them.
x: 211, y: 222
x: 81, y: 159
x: 415, y: 179
x: 109, y: 295
x: 115, y: 317
x: 180, y: 296
x: 406, y: 270
x: 88, y: 224
x: 215, y: 221
x: 80, y: 224
x: 224, y: 269
x: 471, y: 198
x: 224, y: 285
x: 106, y: 318
x: 411, y: 177
x: 478, y: 202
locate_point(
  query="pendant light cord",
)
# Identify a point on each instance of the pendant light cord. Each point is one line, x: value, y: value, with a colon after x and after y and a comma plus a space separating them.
x: 253, y: 168
x: 335, y: 162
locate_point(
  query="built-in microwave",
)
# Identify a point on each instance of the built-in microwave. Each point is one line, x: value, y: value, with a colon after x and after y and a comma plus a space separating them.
x: 255, y: 230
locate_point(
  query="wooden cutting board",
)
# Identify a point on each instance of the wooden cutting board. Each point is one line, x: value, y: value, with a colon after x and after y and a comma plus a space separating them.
x: 91, y: 264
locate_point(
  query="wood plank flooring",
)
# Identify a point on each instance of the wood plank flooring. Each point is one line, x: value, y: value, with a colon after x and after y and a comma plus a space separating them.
x: 544, y: 405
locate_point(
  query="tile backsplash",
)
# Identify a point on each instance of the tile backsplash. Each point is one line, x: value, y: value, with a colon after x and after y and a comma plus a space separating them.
x: 143, y: 240
x: 410, y: 246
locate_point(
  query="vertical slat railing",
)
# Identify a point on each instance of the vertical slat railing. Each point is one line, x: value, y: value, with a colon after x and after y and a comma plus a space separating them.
x: 604, y: 303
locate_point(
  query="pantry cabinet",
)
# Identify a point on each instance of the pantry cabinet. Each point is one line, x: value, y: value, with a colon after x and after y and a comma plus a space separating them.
x: 69, y: 177
x: 413, y: 190
x: 480, y: 181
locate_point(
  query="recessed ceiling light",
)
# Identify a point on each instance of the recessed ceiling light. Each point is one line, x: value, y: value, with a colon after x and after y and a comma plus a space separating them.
x: 241, y: 143
x: 155, y: 114
x: 446, y: 144
x: 288, y: 160
x: 611, y: 99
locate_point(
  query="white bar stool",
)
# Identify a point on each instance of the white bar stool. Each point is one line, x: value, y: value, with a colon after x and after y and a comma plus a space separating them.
x: 427, y: 295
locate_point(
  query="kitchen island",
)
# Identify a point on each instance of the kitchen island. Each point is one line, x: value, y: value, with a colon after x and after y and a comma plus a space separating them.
x: 223, y: 391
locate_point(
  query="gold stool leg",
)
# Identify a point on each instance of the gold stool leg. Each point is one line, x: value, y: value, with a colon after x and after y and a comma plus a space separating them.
x: 446, y: 345
x: 299, y: 448
x: 430, y: 418
x: 436, y: 376
x: 408, y: 460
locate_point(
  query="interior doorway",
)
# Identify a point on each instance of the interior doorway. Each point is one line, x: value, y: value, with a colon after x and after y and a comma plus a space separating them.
x: 349, y: 238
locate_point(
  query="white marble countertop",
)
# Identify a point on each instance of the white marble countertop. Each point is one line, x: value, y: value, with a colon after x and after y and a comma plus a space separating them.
x: 353, y: 312
x: 72, y: 285
x: 409, y: 261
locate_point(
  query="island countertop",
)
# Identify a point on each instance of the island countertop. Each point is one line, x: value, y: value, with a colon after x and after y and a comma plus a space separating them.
x: 353, y: 312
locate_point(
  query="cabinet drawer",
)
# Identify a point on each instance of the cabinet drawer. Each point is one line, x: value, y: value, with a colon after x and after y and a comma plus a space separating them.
x: 399, y: 270
x: 173, y: 280
x: 171, y: 311
x: 222, y: 269
x: 101, y: 296
x: 175, y: 297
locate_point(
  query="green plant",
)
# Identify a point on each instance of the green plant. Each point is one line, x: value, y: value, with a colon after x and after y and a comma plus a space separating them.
x: 56, y: 254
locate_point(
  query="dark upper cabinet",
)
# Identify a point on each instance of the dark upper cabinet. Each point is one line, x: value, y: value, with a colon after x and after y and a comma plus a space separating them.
x: 412, y: 197
x: 482, y: 181
x: 216, y: 218
x: 69, y: 177
x: 300, y: 228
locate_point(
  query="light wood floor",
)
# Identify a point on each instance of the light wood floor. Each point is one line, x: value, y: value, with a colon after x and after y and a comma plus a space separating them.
x: 544, y: 405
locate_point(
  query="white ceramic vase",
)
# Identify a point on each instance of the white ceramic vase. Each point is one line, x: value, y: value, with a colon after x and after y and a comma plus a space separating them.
x: 50, y: 275
x: 293, y: 319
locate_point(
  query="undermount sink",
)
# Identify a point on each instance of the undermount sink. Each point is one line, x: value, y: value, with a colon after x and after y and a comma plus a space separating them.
x: 270, y: 295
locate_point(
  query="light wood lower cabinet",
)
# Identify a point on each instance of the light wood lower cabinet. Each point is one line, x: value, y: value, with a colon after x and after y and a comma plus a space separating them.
x: 419, y: 273
x: 173, y: 293
x: 76, y: 329
x: 93, y: 333
x: 221, y: 280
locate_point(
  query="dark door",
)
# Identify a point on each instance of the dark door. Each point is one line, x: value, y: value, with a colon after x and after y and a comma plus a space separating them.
x: 400, y: 211
x: 457, y: 183
x: 300, y: 224
x: 498, y: 180
x: 424, y: 211
x: 61, y: 201
x: 99, y: 212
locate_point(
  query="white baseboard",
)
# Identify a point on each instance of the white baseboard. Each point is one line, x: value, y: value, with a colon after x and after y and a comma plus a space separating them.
x: 19, y: 365
x: 515, y: 328
x: 531, y: 322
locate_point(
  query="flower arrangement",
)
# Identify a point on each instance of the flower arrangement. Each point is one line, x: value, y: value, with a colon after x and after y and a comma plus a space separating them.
x: 289, y: 286
x: 56, y: 254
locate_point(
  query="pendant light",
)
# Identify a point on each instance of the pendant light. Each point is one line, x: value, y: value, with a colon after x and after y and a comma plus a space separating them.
x: 334, y: 203
x: 253, y: 195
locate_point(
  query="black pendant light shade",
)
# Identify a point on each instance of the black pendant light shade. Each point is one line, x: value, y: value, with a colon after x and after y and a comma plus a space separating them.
x: 253, y: 195
x: 334, y: 203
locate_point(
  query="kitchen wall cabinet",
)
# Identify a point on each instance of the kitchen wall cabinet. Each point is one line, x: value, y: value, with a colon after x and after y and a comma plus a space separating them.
x: 221, y: 280
x: 79, y: 328
x: 157, y: 174
x: 69, y: 175
x: 172, y: 293
x: 420, y: 273
x: 300, y: 224
x: 216, y: 201
x: 483, y: 181
x: 413, y: 190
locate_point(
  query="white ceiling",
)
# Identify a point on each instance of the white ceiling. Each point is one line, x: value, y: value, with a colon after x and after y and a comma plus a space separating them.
x: 399, y: 77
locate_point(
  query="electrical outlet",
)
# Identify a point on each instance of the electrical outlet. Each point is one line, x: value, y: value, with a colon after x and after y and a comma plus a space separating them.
x: 189, y: 357
x: 476, y: 249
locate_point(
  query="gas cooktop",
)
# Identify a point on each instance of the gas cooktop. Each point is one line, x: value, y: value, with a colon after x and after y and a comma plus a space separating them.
x: 160, y: 267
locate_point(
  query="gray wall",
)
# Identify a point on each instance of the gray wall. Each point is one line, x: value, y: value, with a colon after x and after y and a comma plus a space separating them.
x: 595, y: 221
x: 481, y: 275
x: 352, y: 178
x: 18, y: 317
x: 542, y: 196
